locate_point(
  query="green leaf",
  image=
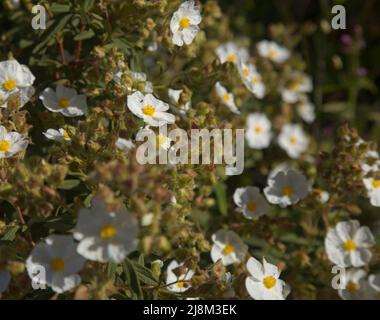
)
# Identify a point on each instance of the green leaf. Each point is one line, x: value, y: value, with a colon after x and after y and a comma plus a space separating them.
x: 221, y: 198
x: 87, y: 5
x: 69, y: 184
x: 111, y: 269
x: 145, y: 275
x: 88, y: 34
x: 10, y: 235
x: 60, y: 8
x: 132, y: 278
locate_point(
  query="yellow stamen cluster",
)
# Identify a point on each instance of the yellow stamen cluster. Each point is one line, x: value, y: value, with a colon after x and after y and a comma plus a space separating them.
x: 9, y: 84
x: 293, y: 140
x: 287, y: 191
x: 57, y: 264
x: 349, y: 245
x: 269, y: 282
x: 228, y: 249
x: 376, y: 183
x: 352, y: 287
x: 63, y: 103
x: 108, y: 231
x: 184, y: 23
x: 149, y: 110
x: 251, y: 206
x: 4, y: 145
x: 231, y: 58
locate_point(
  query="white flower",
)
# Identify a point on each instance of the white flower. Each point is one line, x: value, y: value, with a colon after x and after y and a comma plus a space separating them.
x: 271, y: 50
x: 226, y: 97
x: 174, y: 96
x: 252, y: 79
x: 57, y: 135
x: 64, y: 100
x: 13, y: 77
x: 373, y: 190
x: 56, y: 263
x: 11, y: 143
x: 147, y: 219
x: 230, y: 52
x: 150, y: 109
x: 258, y: 133
x: 348, y: 244
x: 263, y: 283
x: 323, y: 196
x: 293, y: 140
x: 296, y: 88
x: 16, y: 99
x: 5, y: 279
x: 105, y: 235
x: 286, y: 188
x: 374, y: 282
x: 283, y: 166
x: 228, y: 247
x: 124, y: 144
x: 179, y: 283
x: 306, y: 110
x: 184, y: 23
x: 355, y: 285
x: 251, y: 202
x: 371, y: 163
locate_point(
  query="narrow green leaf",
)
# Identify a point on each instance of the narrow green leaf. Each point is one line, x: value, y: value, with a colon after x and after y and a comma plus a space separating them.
x: 60, y: 8
x: 10, y: 235
x: 88, y: 34
x: 69, y: 184
x: 132, y: 278
x: 221, y: 198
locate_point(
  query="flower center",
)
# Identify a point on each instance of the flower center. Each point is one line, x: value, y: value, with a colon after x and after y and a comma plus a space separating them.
x: 269, y: 282
x: 63, y: 103
x: 245, y: 72
x: 293, y: 140
x: 57, y: 264
x: 231, y: 58
x: 65, y: 134
x: 294, y: 86
x: 376, y: 183
x: 9, y: 85
x: 226, y: 97
x: 272, y: 53
x: 287, y: 191
x: 349, y: 245
x: 4, y: 145
x: 228, y: 249
x: 352, y: 286
x: 149, y: 110
x: 255, y: 80
x: 180, y: 284
x: 184, y: 23
x: 251, y: 206
x: 258, y: 129
x: 108, y: 231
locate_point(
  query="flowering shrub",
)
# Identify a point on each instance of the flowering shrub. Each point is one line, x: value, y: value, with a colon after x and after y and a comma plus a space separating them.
x: 81, y: 218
